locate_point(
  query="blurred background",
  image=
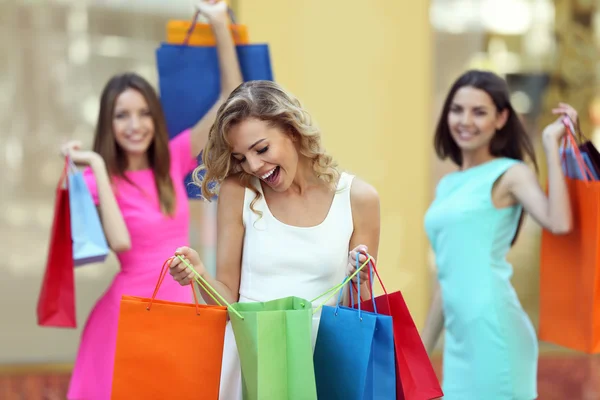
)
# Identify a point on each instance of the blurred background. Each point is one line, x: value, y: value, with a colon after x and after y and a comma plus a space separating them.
x: 373, y: 74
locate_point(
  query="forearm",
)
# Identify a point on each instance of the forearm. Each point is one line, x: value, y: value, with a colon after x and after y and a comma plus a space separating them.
x: 223, y: 290
x: 231, y: 78
x: 231, y: 75
x: 434, y: 322
x: 113, y: 223
x: 559, y: 209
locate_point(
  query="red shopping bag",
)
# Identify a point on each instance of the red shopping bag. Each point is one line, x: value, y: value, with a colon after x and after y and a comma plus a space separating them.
x: 415, y: 376
x: 56, y: 304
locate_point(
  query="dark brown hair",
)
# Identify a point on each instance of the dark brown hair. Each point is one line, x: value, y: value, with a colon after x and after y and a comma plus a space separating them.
x: 511, y: 141
x: 115, y: 158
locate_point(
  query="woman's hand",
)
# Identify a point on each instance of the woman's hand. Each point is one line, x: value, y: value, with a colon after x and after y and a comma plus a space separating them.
x: 361, y: 250
x: 213, y: 10
x: 80, y: 157
x: 554, y: 132
x: 181, y: 272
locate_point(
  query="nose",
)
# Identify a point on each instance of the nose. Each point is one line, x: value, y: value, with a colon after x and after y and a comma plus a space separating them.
x: 134, y: 122
x: 254, y: 163
x: 466, y: 119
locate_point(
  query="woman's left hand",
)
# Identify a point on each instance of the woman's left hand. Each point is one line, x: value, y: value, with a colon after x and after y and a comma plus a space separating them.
x: 213, y: 10
x: 361, y: 250
x: 554, y: 132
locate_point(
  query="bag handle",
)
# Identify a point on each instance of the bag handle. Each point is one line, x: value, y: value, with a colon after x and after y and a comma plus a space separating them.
x: 337, y: 307
x: 188, y: 34
x: 373, y: 268
x: 161, y: 277
x: 334, y: 290
x: 69, y: 168
x: 575, y: 130
x: 354, y: 287
x: 208, y: 288
x: 569, y: 141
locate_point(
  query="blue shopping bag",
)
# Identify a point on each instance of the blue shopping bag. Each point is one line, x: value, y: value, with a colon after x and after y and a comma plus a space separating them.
x: 190, y: 84
x: 89, y: 242
x: 354, y: 354
x: 571, y: 167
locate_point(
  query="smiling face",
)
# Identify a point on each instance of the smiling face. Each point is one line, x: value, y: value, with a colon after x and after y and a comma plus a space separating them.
x: 473, y: 119
x: 264, y: 151
x: 133, y: 125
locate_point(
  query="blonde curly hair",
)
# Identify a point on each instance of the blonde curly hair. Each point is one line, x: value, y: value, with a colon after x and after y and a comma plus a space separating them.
x: 265, y: 101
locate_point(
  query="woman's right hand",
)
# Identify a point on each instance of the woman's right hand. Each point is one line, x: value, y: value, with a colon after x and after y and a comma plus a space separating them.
x: 181, y: 272
x: 80, y: 157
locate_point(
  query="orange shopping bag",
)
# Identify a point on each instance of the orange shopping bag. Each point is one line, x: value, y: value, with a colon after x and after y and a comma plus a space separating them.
x: 192, y: 33
x: 570, y: 269
x: 149, y: 364
x: 202, y: 34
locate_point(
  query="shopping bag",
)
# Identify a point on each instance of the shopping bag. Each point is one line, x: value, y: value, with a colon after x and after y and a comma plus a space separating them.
x: 590, y: 154
x: 56, y: 303
x: 570, y: 168
x: 570, y: 269
x: 415, y: 376
x: 189, y: 83
x: 588, y: 148
x: 354, y: 353
x: 201, y: 34
x: 149, y: 363
x: 274, y: 341
x: 89, y: 242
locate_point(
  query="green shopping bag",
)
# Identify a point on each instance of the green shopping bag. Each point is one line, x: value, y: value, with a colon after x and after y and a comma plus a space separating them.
x: 274, y: 341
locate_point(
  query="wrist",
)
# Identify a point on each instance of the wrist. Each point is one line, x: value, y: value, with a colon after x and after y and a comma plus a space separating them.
x: 97, y: 163
x: 551, y: 145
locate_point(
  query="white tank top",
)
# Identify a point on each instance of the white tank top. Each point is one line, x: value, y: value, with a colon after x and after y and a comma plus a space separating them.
x: 280, y: 260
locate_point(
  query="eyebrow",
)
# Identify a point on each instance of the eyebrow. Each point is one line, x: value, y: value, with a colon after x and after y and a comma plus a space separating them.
x: 475, y: 108
x: 251, y: 147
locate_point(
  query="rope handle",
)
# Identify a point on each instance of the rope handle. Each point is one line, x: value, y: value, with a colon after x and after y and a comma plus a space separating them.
x: 373, y: 268
x: 208, y: 288
x: 569, y: 141
x: 188, y: 34
x: 333, y: 291
x: 161, y: 277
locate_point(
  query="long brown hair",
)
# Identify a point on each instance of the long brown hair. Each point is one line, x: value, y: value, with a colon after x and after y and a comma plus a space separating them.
x: 511, y: 141
x: 115, y: 158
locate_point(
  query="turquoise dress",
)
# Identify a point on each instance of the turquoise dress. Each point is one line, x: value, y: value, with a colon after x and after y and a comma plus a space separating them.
x: 490, y: 349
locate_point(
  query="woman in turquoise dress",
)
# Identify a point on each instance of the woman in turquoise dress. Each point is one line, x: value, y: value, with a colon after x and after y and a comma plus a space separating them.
x: 490, y: 348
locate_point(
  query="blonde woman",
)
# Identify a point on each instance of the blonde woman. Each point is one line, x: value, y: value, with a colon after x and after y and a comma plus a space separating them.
x: 289, y: 223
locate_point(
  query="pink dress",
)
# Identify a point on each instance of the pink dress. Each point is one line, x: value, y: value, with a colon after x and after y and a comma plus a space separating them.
x: 154, y: 238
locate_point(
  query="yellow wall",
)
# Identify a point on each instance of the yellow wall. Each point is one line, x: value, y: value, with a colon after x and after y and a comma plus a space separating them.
x: 363, y: 71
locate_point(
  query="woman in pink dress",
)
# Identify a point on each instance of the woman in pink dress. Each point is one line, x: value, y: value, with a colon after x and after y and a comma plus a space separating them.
x: 136, y: 177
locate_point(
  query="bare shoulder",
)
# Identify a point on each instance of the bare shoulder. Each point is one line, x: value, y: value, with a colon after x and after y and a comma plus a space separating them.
x: 517, y: 175
x: 231, y: 192
x: 363, y: 196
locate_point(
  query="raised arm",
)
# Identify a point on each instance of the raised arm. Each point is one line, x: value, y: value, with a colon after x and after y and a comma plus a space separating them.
x: 552, y: 212
x: 229, y: 68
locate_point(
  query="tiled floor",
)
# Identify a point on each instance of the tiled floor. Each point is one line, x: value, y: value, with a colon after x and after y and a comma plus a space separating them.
x: 561, y: 377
